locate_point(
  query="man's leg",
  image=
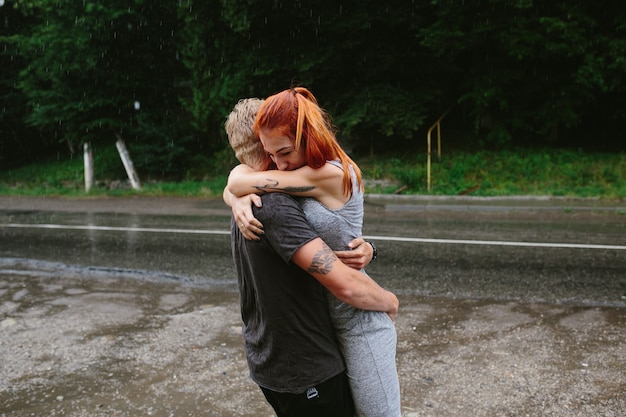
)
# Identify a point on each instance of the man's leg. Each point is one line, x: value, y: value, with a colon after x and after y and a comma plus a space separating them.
x: 329, y: 399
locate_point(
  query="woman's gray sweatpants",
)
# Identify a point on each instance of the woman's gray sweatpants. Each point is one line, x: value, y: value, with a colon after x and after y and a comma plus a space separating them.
x: 368, y: 342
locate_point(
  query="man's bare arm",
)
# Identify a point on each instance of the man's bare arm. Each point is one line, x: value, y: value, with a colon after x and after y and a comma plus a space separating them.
x: 345, y: 283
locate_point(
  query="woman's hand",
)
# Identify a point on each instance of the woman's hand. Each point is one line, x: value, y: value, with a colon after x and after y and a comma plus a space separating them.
x: 359, y: 257
x: 250, y: 227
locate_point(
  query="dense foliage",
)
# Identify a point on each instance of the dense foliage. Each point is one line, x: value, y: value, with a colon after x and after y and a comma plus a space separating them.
x: 164, y: 75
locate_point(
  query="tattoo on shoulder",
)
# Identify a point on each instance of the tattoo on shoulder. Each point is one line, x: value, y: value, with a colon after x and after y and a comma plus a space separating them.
x: 323, y: 261
x: 274, y: 185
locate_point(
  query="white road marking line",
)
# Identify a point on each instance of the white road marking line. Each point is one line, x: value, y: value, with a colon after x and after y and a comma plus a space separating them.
x: 116, y: 229
x: 388, y: 238
x: 497, y: 243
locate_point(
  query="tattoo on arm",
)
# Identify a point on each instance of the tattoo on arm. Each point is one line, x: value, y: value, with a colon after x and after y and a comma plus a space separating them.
x: 274, y: 186
x: 323, y: 261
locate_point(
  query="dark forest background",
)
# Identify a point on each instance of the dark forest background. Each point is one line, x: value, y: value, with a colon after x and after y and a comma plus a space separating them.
x: 164, y: 75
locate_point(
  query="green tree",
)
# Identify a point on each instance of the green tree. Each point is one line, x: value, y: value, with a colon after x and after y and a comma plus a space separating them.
x: 360, y: 59
x: 18, y: 142
x: 213, y: 81
x: 164, y: 76
x: 100, y: 70
x: 529, y: 68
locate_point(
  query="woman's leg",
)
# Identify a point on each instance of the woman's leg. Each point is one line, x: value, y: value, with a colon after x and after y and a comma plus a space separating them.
x: 368, y: 343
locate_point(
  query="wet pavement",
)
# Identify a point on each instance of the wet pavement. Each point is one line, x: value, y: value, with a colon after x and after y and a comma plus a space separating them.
x: 82, y: 334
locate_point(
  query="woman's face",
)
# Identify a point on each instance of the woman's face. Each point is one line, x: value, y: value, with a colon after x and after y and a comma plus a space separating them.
x: 281, y: 149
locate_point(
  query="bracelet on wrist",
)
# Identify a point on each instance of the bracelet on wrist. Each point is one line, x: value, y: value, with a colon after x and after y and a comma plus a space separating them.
x: 374, y: 248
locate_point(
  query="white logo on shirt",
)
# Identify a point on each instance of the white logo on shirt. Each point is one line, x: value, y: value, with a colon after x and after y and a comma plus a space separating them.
x: 312, y: 393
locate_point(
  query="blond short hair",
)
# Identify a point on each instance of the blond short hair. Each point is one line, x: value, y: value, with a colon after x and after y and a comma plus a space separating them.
x: 239, y: 128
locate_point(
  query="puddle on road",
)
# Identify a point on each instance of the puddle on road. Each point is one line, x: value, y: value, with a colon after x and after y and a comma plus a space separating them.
x: 83, y: 341
x: 94, y: 342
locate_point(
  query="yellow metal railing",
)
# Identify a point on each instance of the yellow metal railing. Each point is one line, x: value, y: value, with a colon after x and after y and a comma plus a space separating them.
x: 437, y: 125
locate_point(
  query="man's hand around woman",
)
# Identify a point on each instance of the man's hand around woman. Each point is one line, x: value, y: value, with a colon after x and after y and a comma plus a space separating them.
x: 358, y: 257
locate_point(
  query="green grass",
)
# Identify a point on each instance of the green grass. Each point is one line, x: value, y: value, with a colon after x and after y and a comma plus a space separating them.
x: 505, y: 173
x: 543, y: 172
x: 65, y: 178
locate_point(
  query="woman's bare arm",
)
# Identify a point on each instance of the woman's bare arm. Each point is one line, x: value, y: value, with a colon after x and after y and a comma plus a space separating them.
x: 324, y: 184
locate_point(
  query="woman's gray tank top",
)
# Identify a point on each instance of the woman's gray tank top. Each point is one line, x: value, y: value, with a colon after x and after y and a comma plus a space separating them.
x: 337, y: 227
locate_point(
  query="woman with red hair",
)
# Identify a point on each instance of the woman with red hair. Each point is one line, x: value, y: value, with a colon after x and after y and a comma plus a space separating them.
x: 304, y: 159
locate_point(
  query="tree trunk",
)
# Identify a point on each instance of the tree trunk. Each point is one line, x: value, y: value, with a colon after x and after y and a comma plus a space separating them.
x: 128, y: 163
x: 88, y: 157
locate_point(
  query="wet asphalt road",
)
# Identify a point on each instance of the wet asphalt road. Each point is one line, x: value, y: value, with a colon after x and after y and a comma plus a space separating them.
x: 127, y: 307
x: 533, y: 250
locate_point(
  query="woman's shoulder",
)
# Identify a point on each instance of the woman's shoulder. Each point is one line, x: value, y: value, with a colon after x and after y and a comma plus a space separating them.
x: 330, y: 169
x: 335, y: 163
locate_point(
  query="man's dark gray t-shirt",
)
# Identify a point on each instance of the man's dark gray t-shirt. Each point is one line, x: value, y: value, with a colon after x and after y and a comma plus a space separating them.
x: 289, y: 338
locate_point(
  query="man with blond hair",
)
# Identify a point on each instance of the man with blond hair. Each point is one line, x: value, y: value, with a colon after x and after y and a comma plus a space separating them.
x: 248, y: 149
